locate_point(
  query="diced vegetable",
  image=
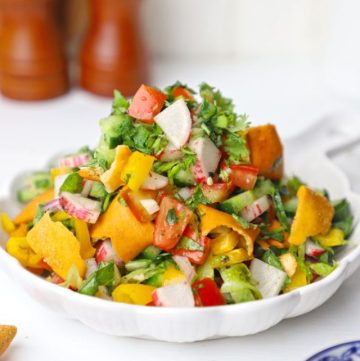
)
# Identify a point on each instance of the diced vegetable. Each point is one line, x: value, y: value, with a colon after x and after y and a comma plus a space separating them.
x: 225, y: 242
x: 19, y: 248
x: 112, y: 177
x: 137, y: 169
x: 74, y: 161
x: 289, y: 264
x: 176, y: 123
x: 256, y: 209
x: 313, y: 216
x: 105, y: 253
x: 91, y: 267
x: 216, y: 192
x: 185, y: 267
x: 171, y: 153
x: 193, y: 245
x: 270, y: 280
x: 6, y: 223
x: 73, y: 183
x: 172, y: 276
x: 233, y: 257
x: 147, y: 103
x: 83, y: 236
x: 176, y: 295
x: 133, y: 294
x: 80, y: 207
x: 334, y: 238
x: 207, y: 158
x: 244, y: 176
x: 312, y: 249
x: 53, y: 206
x: 155, y: 181
x: 169, y: 231
x: 88, y: 184
x: 208, y: 293
x: 297, y: 280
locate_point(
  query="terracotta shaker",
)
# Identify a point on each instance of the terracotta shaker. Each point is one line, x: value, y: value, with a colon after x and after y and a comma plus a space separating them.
x: 33, y: 64
x: 113, y: 54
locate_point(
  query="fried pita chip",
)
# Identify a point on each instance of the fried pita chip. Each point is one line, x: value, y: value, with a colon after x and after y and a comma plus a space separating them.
x: 7, y: 334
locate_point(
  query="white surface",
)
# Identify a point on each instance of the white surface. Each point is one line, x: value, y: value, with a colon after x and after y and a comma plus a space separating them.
x: 72, y: 122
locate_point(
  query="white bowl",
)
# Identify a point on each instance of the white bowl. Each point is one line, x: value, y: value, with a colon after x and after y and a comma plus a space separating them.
x: 194, y: 324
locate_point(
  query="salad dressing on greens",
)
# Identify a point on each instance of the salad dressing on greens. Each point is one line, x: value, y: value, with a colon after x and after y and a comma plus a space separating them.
x: 181, y: 204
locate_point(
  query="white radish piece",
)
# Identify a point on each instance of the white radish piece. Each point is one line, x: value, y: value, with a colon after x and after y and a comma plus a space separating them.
x: 170, y: 153
x: 185, y: 193
x: 87, y: 188
x: 270, y: 280
x: 76, y: 160
x: 256, y: 209
x: 58, y: 182
x: 207, y: 158
x: 155, y: 181
x: 80, y: 207
x: 185, y: 267
x: 106, y: 253
x: 312, y: 249
x: 176, y: 295
x: 175, y: 121
x: 53, y: 206
x: 150, y: 205
x: 91, y: 267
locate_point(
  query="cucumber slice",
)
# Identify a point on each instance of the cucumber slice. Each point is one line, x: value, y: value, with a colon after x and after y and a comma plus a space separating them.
x: 184, y: 178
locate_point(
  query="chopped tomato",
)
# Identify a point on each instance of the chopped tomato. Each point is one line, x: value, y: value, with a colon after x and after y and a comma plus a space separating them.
x: 208, y: 292
x: 182, y: 92
x: 147, y: 103
x: 244, y: 176
x: 193, y: 245
x: 133, y: 198
x: 170, y: 223
x: 217, y: 192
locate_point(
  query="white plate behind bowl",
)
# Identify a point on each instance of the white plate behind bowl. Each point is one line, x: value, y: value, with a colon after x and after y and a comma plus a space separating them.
x: 194, y: 324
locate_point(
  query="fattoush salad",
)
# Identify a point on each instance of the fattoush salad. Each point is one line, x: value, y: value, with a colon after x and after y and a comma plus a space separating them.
x: 181, y: 204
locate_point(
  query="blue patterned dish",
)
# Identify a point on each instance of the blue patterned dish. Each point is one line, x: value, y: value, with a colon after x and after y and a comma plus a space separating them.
x: 349, y: 351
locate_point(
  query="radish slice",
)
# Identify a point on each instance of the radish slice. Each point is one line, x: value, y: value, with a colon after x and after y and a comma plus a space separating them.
x: 185, y: 193
x: 80, y: 207
x: 76, y: 160
x: 176, y: 295
x: 270, y: 280
x: 150, y: 205
x: 312, y: 249
x: 87, y: 188
x: 155, y: 181
x: 106, y: 253
x: 207, y: 158
x: 53, y: 206
x: 58, y: 182
x: 170, y: 153
x: 185, y: 267
x: 175, y: 121
x: 91, y: 267
x: 256, y: 209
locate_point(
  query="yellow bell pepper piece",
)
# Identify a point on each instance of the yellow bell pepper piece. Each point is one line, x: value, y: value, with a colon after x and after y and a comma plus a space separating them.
x: 335, y: 237
x: 137, y: 169
x: 313, y: 216
x: 112, y: 177
x: 83, y: 236
x: 230, y: 258
x: 19, y: 248
x: 7, y: 223
x: 29, y: 211
x: 173, y: 275
x: 59, y: 248
x: 225, y: 242
x: 55, y: 172
x: 60, y: 216
x: 212, y: 219
x: 133, y: 293
x: 297, y: 280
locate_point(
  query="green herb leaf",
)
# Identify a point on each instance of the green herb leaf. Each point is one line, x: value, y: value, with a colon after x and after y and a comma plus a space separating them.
x: 197, y: 198
x: 120, y: 104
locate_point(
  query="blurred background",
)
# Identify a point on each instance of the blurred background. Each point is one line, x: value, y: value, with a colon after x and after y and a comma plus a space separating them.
x: 292, y: 63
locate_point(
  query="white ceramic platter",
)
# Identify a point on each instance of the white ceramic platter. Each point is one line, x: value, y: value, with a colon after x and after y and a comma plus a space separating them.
x: 194, y: 324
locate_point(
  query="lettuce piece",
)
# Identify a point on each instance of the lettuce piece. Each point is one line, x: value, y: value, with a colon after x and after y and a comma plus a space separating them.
x: 238, y: 283
x: 120, y: 104
x: 322, y: 269
x: 270, y: 258
x: 72, y: 183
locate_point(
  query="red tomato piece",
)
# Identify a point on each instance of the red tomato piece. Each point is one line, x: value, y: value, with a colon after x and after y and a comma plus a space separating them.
x: 170, y: 223
x: 194, y: 246
x: 244, y: 176
x: 147, y: 103
x: 182, y: 92
x: 208, y: 292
